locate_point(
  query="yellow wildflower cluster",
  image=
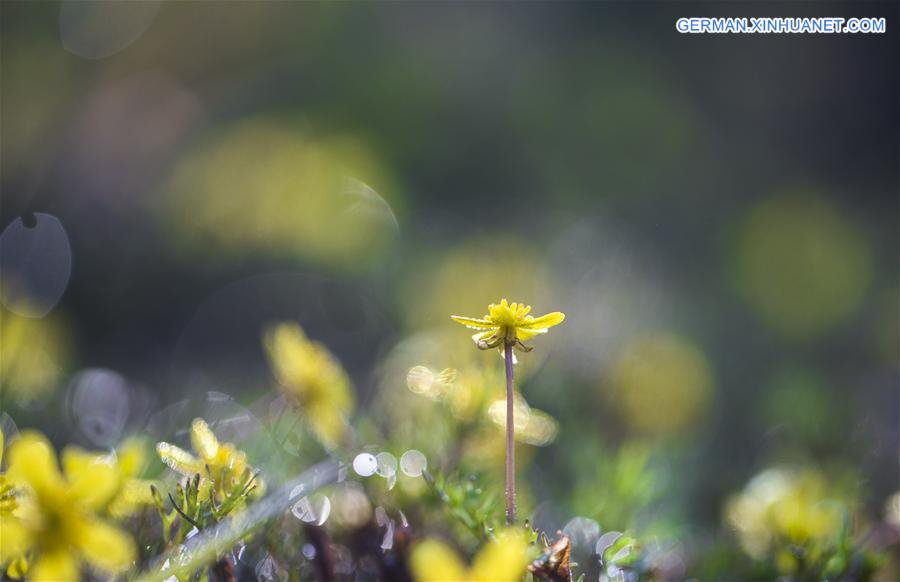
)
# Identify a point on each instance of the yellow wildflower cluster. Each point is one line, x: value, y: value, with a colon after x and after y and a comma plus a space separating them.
x: 502, y: 560
x: 222, y: 465
x: 312, y: 380
x: 55, y: 521
x: 781, y: 507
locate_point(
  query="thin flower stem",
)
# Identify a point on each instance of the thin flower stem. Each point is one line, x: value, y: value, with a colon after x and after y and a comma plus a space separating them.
x: 510, y: 439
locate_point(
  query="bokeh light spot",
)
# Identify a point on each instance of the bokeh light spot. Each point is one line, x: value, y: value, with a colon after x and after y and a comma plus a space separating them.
x: 312, y: 510
x: 365, y: 464
x: 413, y: 463
x: 387, y: 465
x: 35, y: 264
x: 94, y: 29
x: 801, y: 264
x: 309, y: 198
x: 98, y: 404
x: 661, y: 384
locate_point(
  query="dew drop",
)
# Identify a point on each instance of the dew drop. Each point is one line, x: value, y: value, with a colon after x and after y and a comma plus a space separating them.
x: 386, y: 465
x: 314, y: 511
x: 365, y: 464
x: 413, y: 463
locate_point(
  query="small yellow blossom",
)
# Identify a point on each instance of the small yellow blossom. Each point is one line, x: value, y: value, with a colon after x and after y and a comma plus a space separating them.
x: 499, y: 561
x: 55, y: 522
x: 508, y: 325
x: 312, y: 380
x: 222, y: 463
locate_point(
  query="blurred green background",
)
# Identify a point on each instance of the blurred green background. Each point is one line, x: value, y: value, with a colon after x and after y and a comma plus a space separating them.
x: 717, y: 216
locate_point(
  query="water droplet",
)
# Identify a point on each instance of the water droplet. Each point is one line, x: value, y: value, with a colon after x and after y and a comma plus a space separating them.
x: 315, y: 510
x: 413, y: 463
x: 365, y: 464
x: 386, y: 464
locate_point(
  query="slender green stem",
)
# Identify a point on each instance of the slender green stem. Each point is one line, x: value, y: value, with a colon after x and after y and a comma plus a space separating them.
x: 510, y: 439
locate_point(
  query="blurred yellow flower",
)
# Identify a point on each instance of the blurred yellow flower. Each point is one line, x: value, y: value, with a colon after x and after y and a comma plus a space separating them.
x: 34, y: 352
x: 504, y: 559
x: 312, y: 380
x: 7, y: 491
x: 508, y: 324
x: 129, y: 461
x: 221, y: 463
x: 55, y: 521
x: 781, y: 506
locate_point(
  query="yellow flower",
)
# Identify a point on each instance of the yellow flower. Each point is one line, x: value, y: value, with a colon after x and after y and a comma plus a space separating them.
x: 129, y: 461
x: 34, y: 352
x: 55, y: 522
x: 311, y: 379
x: 508, y: 325
x: 7, y: 492
x: 222, y: 463
x: 505, y: 559
x: 783, y: 506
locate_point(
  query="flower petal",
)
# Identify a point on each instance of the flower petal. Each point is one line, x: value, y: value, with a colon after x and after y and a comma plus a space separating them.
x: 131, y: 456
x: 544, y: 321
x: 105, y: 547
x: 92, y: 478
x: 433, y: 561
x: 525, y: 334
x: 32, y: 461
x: 15, y: 540
x: 473, y: 323
x: 54, y: 566
x: 178, y: 459
x: 203, y: 440
x: 134, y: 494
x: 505, y: 559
